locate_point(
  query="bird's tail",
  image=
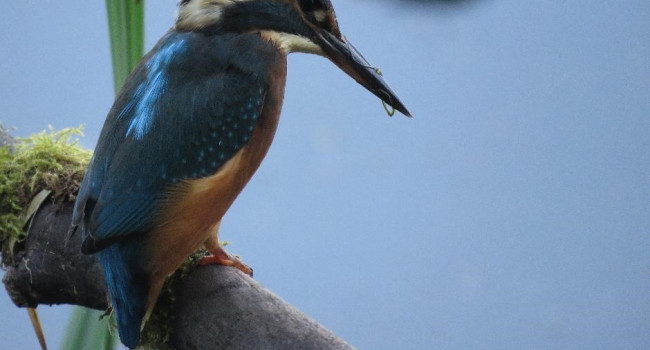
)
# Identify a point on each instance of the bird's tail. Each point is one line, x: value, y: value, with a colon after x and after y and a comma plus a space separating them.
x: 128, y: 286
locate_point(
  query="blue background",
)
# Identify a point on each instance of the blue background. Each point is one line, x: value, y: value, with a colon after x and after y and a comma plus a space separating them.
x: 513, y: 211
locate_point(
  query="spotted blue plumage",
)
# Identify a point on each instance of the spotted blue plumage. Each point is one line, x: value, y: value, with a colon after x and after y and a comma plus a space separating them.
x: 168, y: 124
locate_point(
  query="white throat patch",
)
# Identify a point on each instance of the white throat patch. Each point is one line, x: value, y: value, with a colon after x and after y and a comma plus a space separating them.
x: 289, y: 43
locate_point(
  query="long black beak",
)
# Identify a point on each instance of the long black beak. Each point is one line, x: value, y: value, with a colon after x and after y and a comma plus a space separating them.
x: 352, y: 62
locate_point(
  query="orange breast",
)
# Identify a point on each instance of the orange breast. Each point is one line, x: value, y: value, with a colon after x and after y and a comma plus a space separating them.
x: 193, y: 208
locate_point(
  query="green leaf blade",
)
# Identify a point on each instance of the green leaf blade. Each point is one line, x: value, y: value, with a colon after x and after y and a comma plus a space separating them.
x: 126, y: 28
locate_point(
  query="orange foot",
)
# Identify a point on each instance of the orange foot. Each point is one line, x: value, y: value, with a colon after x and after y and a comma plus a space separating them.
x: 219, y: 256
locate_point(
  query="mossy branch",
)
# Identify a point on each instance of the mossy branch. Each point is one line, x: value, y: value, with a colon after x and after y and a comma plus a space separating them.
x: 205, y: 307
x: 48, y: 160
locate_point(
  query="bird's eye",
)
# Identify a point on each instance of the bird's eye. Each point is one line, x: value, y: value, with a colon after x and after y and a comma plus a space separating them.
x: 318, y: 10
x: 321, y: 13
x: 309, y: 6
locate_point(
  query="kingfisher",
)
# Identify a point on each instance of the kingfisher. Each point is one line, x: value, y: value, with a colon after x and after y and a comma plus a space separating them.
x: 187, y: 131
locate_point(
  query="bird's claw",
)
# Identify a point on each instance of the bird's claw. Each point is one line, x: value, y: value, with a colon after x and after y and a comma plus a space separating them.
x: 226, y: 260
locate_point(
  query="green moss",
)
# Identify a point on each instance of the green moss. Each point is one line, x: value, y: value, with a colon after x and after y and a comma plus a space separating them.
x: 48, y: 160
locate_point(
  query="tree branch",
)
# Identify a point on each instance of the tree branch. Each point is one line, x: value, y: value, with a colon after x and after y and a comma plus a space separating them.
x: 216, y: 307
x: 50, y: 269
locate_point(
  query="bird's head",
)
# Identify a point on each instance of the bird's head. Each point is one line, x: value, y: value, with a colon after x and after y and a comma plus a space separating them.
x: 294, y: 26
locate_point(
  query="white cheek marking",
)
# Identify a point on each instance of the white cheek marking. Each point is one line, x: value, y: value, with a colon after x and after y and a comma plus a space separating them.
x: 320, y: 15
x: 289, y: 43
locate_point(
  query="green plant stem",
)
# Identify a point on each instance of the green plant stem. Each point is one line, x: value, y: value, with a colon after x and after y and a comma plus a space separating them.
x: 126, y: 27
x: 87, y: 331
